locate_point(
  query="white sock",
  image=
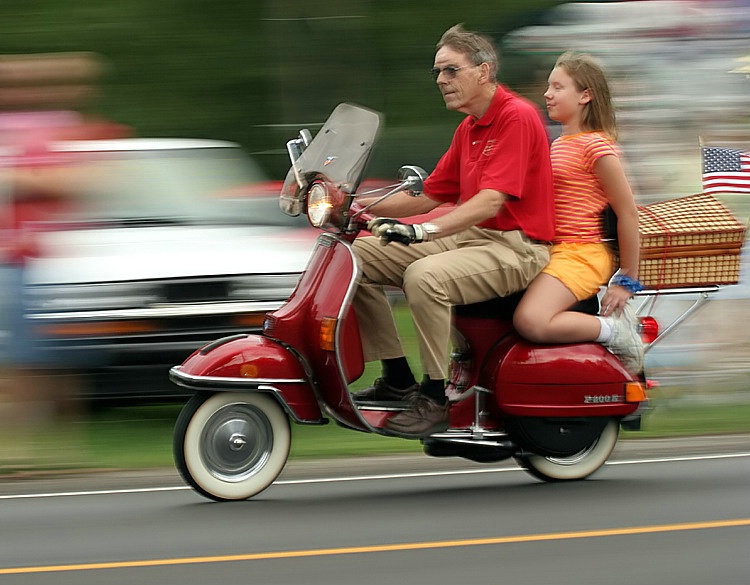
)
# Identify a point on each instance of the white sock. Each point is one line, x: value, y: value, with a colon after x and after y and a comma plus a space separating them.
x: 605, y: 330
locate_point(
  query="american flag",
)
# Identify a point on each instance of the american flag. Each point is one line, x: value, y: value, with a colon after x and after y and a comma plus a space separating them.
x: 725, y: 170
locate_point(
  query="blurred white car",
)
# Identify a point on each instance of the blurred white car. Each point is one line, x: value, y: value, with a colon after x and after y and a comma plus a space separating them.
x: 177, y: 242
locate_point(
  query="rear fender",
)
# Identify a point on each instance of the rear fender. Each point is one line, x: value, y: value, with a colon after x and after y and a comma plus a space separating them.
x: 251, y: 362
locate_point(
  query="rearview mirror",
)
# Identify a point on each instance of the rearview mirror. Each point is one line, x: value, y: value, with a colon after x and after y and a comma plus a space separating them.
x: 296, y: 147
x: 413, y: 178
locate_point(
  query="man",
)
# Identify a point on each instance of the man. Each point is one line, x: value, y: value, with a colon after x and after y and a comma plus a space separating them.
x: 493, y: 243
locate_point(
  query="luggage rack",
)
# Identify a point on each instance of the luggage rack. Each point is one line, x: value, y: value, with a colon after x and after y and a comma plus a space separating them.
x: 650, y: 296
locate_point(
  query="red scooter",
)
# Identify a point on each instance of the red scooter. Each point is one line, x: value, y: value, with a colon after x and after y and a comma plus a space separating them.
x: 556, y: 409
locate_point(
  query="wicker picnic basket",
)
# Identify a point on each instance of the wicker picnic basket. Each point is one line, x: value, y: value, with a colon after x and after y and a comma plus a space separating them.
x: 690, y: 241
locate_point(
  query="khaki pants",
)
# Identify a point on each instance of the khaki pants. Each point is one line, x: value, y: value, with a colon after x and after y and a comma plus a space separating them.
x: 472, y: 266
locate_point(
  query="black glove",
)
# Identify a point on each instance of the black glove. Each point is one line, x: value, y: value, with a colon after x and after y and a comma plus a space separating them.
x: 403, y: 233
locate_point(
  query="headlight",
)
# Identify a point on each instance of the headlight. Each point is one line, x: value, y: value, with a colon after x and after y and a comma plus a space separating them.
x: 319, y: 204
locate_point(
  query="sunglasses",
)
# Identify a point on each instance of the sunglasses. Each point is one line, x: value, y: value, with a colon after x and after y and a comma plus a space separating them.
x: 450, y: 70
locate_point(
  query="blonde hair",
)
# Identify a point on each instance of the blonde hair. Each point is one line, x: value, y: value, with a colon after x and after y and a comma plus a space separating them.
x: 588, y: 74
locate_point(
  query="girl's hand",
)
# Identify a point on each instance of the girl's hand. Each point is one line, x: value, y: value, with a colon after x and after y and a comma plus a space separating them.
x: 614, y: 300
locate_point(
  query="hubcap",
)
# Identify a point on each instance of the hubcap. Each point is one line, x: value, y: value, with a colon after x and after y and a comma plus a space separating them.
x: 236, y: 442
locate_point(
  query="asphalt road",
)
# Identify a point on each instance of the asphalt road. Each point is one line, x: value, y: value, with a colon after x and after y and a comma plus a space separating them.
x: 670, y: 511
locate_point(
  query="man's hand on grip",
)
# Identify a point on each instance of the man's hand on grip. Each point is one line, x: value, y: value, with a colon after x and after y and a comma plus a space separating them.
x: 392, y: 230
x: 379, y: 225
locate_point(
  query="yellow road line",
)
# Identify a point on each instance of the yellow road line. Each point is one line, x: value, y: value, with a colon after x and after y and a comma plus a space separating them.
x: 383, y: 547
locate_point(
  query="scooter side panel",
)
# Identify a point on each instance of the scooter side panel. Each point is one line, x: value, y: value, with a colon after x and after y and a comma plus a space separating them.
x: 571, y: 380
x: 572, y: 363
x: 482, y: 334
x: 350, y: 347
x: 325, y: 293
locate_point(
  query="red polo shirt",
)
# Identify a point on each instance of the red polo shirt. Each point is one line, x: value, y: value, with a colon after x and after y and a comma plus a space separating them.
x: 507, y: 150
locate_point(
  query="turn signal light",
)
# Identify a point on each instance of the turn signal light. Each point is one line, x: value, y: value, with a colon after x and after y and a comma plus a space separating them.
x: 249, y: 371
x: 649, y: 329
x: 328, y: 333
x: 635, y: 392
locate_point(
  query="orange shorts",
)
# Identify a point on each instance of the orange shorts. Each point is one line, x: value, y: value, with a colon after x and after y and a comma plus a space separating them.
x: 582, y: 267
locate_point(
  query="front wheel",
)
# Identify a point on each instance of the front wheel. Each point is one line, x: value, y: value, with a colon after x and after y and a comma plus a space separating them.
x: 577, y: 466
x: 230, y: 445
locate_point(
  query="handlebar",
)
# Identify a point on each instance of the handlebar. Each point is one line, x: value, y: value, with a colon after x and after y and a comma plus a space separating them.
x: 360, y: 217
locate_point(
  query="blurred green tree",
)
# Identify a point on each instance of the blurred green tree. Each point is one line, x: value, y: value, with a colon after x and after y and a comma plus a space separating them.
x: 254, y: 72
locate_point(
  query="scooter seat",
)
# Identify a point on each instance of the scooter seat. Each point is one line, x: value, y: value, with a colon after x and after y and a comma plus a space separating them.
x: 503, y: 307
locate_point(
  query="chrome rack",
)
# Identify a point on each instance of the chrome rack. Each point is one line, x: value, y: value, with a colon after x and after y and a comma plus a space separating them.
x: 650, y: 296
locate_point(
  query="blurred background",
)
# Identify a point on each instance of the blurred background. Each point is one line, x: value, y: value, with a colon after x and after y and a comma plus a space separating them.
x: 250, y: 75
x: 253, y: 73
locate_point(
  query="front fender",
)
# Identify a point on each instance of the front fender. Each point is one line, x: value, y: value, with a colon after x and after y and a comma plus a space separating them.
x: 251, y: 362
x: 245, y: 358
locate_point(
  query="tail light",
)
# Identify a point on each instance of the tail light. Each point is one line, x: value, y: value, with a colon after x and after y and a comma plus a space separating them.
x: 649, y: 329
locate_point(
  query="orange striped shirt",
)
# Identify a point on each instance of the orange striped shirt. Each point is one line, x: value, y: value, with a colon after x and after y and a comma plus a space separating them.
x: 579, y: 198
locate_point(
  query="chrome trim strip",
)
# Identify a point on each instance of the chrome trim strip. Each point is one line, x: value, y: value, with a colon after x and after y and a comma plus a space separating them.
x: 349, y: 297
x: 162, y: 310
x: 651, y: 292
x: 176, y: 374
x: 256, y: 384
x: 381, y: 408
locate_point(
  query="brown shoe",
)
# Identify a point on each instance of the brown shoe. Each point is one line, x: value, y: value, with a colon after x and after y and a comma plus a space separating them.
x: 382, y: 391
x: 423, y: 418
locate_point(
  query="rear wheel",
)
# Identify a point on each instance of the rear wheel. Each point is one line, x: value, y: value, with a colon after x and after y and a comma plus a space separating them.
x: 576, y: 466
x: 231, y: 446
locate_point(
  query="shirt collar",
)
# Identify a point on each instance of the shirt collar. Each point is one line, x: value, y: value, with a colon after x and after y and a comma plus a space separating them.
x: 491, y: 113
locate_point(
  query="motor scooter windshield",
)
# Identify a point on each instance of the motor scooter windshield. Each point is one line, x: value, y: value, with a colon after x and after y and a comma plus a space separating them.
x: 340, y: 151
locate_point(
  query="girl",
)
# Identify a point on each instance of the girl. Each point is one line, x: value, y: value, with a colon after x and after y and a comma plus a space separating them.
x: 588, y: 176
